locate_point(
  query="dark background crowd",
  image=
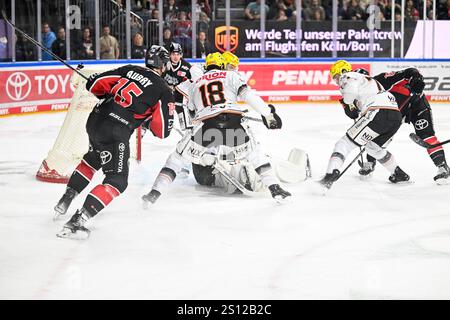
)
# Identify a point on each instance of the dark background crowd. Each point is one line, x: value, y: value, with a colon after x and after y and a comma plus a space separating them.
x: 177, y: 22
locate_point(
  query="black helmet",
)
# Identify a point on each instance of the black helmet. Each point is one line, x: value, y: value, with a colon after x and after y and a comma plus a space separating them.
x: 362, y: 71
x: 175, y: 47
x: 156, y: 57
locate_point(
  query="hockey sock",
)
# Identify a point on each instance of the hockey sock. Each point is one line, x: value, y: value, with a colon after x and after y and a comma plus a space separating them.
x: 336, y: 161
x: 388, y: 161
x: 164, y: 179
x: 266, y: 173
x: 99, y: 198
x: 341, y: 149
x: 436, y: 154
x: 81, y: 177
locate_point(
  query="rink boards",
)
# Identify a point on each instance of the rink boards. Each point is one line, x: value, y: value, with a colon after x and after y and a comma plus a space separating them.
x: 46, y: 86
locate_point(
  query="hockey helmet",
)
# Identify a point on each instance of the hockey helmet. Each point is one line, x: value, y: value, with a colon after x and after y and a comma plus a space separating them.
x: 230, y: 59
x: 214, y: 59
x: 339, y: 67
x: 156, y: 57
x: 176, y: 47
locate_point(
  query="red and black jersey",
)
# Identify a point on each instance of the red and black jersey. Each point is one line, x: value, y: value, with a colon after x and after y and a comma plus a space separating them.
x: 397, y: 84
x: 176, y: 74
x: 132, y: 95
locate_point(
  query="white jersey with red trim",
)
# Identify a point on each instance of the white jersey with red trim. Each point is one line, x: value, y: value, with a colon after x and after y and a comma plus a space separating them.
x: 215, y: 92
x: 365, y: 92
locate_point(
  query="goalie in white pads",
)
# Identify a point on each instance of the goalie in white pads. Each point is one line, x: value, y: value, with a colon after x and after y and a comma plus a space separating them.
x: 219, y: 137
x: 379, y: 120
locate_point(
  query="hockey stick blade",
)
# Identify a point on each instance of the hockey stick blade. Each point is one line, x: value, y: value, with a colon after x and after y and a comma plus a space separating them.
x: 32, y: 40
x: 415, y: 138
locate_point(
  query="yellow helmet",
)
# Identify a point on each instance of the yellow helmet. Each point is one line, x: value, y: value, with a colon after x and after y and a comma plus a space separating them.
x: 214, y: 59
x: 339, y: 67
x: 230, y: 58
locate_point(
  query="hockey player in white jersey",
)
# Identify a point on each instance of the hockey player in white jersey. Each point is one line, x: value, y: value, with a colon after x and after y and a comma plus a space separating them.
x: 219, y: 134
x: 379, y: 120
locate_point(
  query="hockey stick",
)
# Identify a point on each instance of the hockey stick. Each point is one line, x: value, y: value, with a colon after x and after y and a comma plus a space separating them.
x: 414, y: 137
x: 232, y: 179
x: 253, y: 119
x: 43, y: 48
x: 350, y: 164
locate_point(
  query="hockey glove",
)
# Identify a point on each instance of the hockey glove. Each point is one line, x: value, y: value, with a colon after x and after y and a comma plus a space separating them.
x: 350, y: 109
x: 272, y: 121
x: 417, y: 84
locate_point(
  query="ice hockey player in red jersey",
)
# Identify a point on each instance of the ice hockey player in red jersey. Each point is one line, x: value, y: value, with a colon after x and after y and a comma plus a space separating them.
x: 132, y: 96
x: 407, y: 87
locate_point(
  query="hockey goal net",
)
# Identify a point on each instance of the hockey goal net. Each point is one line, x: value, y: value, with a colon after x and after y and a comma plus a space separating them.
x: 72, y: 141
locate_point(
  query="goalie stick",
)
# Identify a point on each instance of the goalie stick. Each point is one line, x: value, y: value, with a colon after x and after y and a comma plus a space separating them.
x: 80, y: 66
x: 414, y: 137
x: 218, y: 166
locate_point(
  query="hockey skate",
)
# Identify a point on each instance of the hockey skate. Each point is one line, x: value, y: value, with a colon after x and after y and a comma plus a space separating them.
x: 399, y: 176
x: 367, y: 168
x: 279, y: 194
x: 74, y: 228
x: 152, y: 196
x: 63, y: 204
x: 329, y: 179
x: 443, y: 175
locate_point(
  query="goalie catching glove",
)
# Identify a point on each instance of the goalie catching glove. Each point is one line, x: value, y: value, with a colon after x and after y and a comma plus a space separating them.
x: 272, y: 121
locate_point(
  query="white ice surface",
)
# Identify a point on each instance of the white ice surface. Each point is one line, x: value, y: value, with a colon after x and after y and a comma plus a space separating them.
x: 364, y: 240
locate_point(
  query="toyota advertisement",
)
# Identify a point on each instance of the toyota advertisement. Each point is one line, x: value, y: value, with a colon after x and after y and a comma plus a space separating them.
x: 32, y: 89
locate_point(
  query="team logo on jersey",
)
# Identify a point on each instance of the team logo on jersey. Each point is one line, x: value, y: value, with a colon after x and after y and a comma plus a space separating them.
x: 421, y: 124
x: 18, y: 86
x: 105, y: 157
x: 222, y: 40
x: 181, y: 73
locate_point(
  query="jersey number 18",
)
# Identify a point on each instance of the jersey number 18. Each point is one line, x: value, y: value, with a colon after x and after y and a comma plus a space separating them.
x: 212, y: 93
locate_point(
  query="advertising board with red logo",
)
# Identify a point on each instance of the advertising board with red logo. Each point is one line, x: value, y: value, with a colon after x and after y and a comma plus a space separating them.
x: 31, y: 90
x: 35, y: 89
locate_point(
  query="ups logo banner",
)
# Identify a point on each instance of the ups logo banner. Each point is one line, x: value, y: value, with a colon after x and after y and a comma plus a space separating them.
x: 221, y: 39
x: 352, y: 39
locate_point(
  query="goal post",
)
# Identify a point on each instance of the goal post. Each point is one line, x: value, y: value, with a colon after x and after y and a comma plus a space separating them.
x: 72, y: 141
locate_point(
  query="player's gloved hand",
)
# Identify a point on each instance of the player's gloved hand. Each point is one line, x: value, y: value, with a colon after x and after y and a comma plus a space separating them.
x: 417, y: 84
x: 272, y: 121
x: 350, y: 109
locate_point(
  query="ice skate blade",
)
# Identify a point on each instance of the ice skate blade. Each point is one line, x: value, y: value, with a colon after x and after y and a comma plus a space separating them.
x: 145, y: 204
x: 365, y: 177
x: 443, y: 181
x: 67, y: 233
x: 183, y: 174
x: 402, y: 183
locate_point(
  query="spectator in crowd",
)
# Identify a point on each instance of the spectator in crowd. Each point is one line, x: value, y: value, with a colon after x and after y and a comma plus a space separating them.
x: 171, y: 11
x: 354, y: 11
x: 281, y: 15
x: 109, y: 46
x: 25, y: 50
x: 411, y: 13
x: 314, y: 7
x: 253, y: 10
x: 167, y: 38
x: 48, y: 36
x: 317, y: 16
x: 59, y: 45
x: 203, y: 45
x: 203, y: 22
x: 204, y: 6
x: 183, y: 27
x: 388, y: 9
x: 85, y: 49
x: 138, y: 49
x: 443, y: 12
